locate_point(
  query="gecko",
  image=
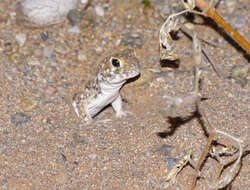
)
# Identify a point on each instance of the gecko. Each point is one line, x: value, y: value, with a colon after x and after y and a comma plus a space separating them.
x: 104, y: 88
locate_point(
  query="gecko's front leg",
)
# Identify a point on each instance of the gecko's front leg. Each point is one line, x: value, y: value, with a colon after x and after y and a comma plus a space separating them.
x: 117, y: 106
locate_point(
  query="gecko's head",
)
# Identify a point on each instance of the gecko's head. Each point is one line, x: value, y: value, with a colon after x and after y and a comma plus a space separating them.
x: 119, y: 67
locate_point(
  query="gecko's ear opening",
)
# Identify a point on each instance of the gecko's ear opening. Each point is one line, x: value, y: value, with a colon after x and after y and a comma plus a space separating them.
x: 115, y: 62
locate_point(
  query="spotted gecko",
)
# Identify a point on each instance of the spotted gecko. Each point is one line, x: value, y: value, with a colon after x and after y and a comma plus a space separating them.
x: 104, y: 89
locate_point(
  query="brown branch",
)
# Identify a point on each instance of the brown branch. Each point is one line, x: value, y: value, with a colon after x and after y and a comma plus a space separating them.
x: 205, y: 150
x: 227, y: 27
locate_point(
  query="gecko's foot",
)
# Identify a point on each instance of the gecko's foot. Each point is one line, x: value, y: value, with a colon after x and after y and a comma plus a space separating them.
x: 123, y: 114
x: 104, y: 121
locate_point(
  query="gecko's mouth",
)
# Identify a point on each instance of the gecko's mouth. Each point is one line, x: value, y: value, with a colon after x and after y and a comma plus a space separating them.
x: 124, y: 76
x: 130, y: 74
x: 133, y: 72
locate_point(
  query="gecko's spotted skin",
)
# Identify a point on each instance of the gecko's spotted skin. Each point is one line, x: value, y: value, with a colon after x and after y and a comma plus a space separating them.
x: 104, y: 89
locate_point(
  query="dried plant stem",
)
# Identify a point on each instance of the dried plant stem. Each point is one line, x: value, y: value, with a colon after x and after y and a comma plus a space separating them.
x: 205, y: 150
x: 202, y: 158
x: 227, y: 27
x: 230, y: 175
x: 223, y: 181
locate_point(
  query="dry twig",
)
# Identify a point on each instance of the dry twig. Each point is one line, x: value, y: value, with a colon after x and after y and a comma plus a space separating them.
x: 227, y: 27
x: 223, y: 181
x: 194, y: 99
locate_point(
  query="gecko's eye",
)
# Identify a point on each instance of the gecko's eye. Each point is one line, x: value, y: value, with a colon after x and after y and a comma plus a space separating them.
x: 115, y: 62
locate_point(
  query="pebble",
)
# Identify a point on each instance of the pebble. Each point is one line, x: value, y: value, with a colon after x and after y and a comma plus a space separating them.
x: 84, y: 1
x: 83, y: 4
x: 62, y: 49
x: 99, y: 50
x: 3, y: 15
x: 52, y: 63
x: 43, y: 13
x: 92, y: 156
x: 50, y: 90
x: 74, y: 16
x: 133, y: 40
x: 99, y: 10
x: 231, y: 6
x: 74, y: 30
x: 171, y: 162
x: 44, y: 35
x: 118, y: 42
x: 239, y: 73
x: 165, y: 10
x: 240, y: 21
x: 48, y: 52
x: 11, y: 47
x: 21, y: 38
x: 17, y: 57
x: 34, y: 62
x: 61, y: 178
x: 166, y: 149
x: 81, y: 56
x: 49, y: 80
x: 19, y: 119
x: 123, y: 4
x: 27, y: 104
x: 38, y: 52
x: 189, y: 25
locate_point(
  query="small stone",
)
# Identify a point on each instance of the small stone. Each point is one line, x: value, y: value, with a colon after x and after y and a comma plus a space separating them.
x: 84, y: 1
x: 99, y: 50
x: 133, y: 40
x: 92, y: 156
x: 62, y: 49
x: 82, y: 5
x: 50, y: 90
x: 165, y: 10
x: 61, y: 178
x: 27, y: 104
x: 166, y: 149
x: 124, y: 4
x: 81, y: 56
x: 74, y: 30
x: 11, y: 47
x: 240, y: 21
x: 118, y: 42
x: 19, y: 119
x: 17, y: 58
x: 231, y: 6
x: 52, y: 63
x: 75, y: 16
x: 44, y: 35
x: 34, y: 62
x: 79, y: 138
x: 171, y: 162
x: 37, y: 13
x: 99, y: 10
x: 48, y: 52
x: 48, y: 78
x: 21, y: 38
x: 240, y: 73
x: 3, y: 14
x: 38, y: 52
x: 189, y: 25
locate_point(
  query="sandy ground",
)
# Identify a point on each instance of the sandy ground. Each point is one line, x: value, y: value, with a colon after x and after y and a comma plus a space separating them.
x: 43, y: 146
